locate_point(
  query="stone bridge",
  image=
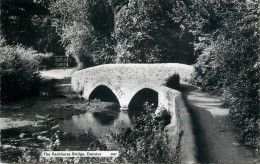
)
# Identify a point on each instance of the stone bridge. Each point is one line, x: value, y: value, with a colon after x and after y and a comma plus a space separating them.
x: 126, y: 80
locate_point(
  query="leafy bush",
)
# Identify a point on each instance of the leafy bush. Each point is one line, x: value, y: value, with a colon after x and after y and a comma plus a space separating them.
x: 145, y: 141
x: 18, y: 67
x: 45, y: 59
x: 174, y: 81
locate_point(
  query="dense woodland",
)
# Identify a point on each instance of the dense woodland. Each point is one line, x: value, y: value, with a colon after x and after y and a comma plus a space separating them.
x: 221, y: 39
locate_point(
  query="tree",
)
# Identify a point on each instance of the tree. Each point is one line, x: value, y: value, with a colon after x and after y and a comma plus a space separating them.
x: 145, y: 32
x: 85, y: 28
x: 28, y: 23
x: 107, y: 31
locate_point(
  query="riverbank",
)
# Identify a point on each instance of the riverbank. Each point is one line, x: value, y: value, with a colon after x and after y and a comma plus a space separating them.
x: 34, y: 110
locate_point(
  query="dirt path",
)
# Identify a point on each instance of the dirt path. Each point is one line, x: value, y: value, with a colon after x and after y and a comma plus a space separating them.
x: 216, y: 142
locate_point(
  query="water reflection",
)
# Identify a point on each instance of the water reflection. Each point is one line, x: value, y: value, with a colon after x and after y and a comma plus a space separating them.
x: 82, y: 123
x: 106, y: 118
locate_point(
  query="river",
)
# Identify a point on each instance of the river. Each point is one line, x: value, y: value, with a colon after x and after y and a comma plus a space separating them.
x: 76, y: 133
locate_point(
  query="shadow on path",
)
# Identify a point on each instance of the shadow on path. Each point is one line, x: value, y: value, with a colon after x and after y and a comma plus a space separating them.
x: 215, y: 140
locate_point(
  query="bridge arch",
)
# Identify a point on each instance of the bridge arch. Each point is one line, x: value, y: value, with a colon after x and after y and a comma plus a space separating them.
x: 103, y: 93
x: 99, y: 87
x: 145, y: 88
x: 142, y: 96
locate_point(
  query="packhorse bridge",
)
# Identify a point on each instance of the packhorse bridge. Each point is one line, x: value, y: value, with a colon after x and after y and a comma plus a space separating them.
x: 124, y: 82
x: 131, y: 85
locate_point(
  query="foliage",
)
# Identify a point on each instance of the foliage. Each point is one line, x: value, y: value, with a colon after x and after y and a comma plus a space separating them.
x: 174, y: 81
x: 28, y: 22
x: 121, y: 31
x: 18, y: 67
x: 85, y: 29
x: 145, y: 141
x: 145, y: 32
x: 229, y: 65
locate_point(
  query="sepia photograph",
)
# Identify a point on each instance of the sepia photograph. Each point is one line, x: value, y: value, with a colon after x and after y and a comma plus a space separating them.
x: 129, y: 81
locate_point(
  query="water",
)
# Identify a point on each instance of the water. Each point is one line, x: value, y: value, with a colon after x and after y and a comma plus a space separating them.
x: 79, y: 124
x: 26, y: 143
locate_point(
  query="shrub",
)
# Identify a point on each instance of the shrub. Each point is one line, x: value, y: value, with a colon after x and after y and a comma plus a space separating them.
x: 18, y: 67
x: 145, y: 141
x: 45, y: 59
x: 174, y: 81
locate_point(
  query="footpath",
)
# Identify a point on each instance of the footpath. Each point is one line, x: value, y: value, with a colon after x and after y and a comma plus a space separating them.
x: 215, y: 140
